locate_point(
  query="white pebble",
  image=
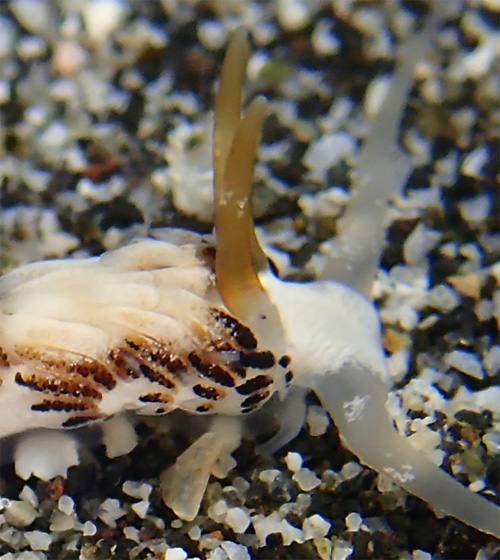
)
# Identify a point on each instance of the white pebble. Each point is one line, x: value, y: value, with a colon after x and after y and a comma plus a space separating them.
x: 306, y: 479
x: 315, y: 527
x: 38, y: 540
x: 477, y: 486
x: 212, y: 34
x: 132, y: 534
x: 466, y: 362
x: 102, y: 17
x: 475, y: 210
x: 34, y: 15
x: 27, y: 494
x: 175, y: 554
x: 443, y: 298
x: 111, y: 510
x: 20, y: 514
x: 418, y: 244
x: 323, y: 40
x: 329, y: 150
x: 293, y: 14
x: 235, y: 551
x: 269, y: 475
x: 341, y: 550
x: 293, y: 461
x: 66, y: 504
x: 492, y: 442
x: 492, y: 361
x: 317, y: 420
x: 238, y: 519
x: 351, y: 470
x: 139, y: 490
x: 30, y: 47
x: 141, y: 508
x: 89, y: 529
x: 353, y: 522
x: 274, y: 523
x: 421, y: 555
x: 475, y: 161
x: 61, y: 522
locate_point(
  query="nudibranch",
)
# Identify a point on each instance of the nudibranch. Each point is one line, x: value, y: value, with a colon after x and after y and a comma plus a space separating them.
x: 209, y: 329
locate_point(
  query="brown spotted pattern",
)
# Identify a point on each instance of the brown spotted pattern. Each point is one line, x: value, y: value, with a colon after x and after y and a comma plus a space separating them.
x: 225, y: 372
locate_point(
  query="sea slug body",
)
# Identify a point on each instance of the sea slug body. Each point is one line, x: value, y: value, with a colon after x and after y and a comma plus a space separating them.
x: 203, y: 324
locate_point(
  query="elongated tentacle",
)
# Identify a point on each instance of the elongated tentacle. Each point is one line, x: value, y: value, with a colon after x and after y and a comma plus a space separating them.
x: 353, y: 257
x: 355, y: 398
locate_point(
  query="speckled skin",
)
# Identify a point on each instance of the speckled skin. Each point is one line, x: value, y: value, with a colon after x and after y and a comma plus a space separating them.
x: 141, y: 328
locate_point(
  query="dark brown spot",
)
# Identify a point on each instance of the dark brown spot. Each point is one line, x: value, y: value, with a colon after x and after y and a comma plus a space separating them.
x: 241, y: 333
x: 59, y: 405
x: 202, y: 408
x: 156, y: 398
x: 132, y: 344
x: 289, y: 376
x: 98, y: 372
x: 284, y: 361
x: 257, y: 360
x: 254, y: 400
x: 156, y: 376
x: 211, y: 371
x: 58, y: 386
x: 255, y: 384
x: 209, y: 393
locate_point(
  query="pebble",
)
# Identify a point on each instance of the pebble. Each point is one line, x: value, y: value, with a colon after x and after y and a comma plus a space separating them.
x: 38, y: 540
x: 315, y: 527
x: 421, y: 555
x: 475, y: 210
x: 491, y: 361
x: 141, y: 508
x: 306, y: 479
x: 89, y: 529
x: 20, y: 514
x: 66, y: 504
x: 235, y: 551
x: 329, y: 150
x: 238, y: 519
x: 102, y: 17
x: 353, y: 522
x: 293, y: 461
x: 317, y: 420
x: 140, y: 490
x: 341, y: 549
x: 61, y: 522
x: 466, y: 362
x: 418, y: 244
x: 27, y: 494
x: 274, y: 523
x: 467, y: 284
x: 293, y: 15
x: 175, y: 554
x: 111, y: 510
x: 34, y: 15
